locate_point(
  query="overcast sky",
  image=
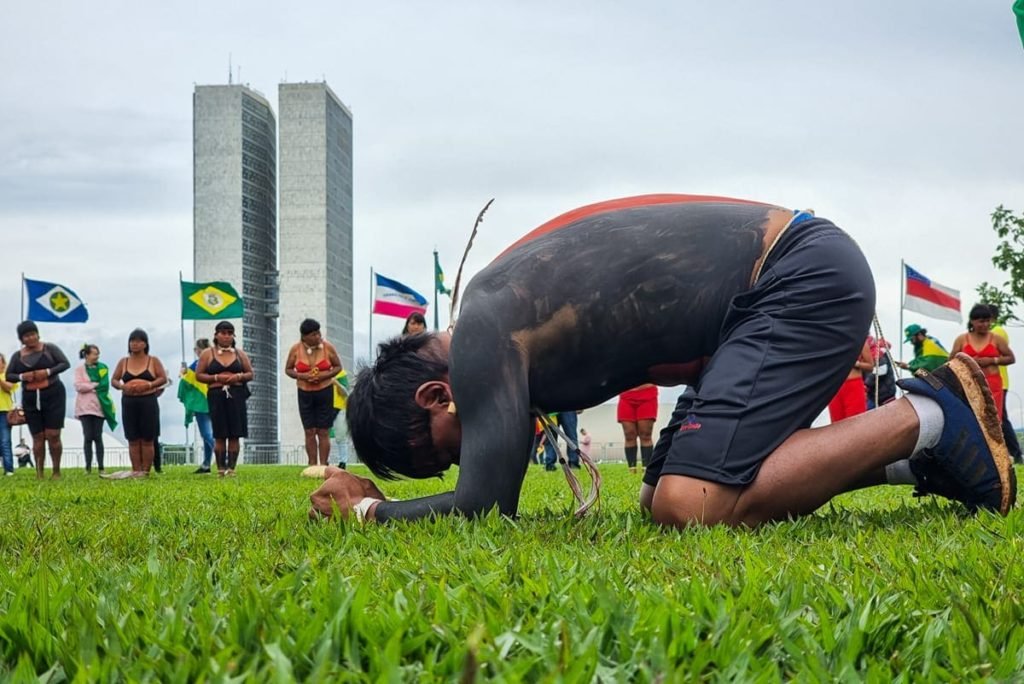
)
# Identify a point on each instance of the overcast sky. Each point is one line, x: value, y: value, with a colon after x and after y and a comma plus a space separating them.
x: 899, y: 121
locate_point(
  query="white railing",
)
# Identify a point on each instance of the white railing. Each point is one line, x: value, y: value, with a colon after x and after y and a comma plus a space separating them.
x: 264, y: 454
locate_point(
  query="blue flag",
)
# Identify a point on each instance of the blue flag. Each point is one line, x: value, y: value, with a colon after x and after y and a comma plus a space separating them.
x: 53, y: 303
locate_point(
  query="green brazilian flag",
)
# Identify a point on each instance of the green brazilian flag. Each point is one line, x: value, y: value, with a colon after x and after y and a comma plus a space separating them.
x: 439, y: 278
x: 100, y: 374
x: 192, y: 394
x: 1018, y: 9
x: 205, y: 301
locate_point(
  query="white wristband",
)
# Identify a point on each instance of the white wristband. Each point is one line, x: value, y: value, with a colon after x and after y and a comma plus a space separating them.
x: 363, y: 507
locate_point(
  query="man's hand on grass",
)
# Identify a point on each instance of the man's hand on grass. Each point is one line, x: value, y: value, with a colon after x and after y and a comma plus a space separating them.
x: 343, y: 490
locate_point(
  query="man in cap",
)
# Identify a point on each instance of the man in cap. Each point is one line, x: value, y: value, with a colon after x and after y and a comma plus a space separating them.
x: 929, y: 353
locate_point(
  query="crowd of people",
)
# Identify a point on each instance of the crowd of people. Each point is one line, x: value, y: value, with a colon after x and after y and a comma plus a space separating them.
x: 222, y: 370
x: 871, y: 382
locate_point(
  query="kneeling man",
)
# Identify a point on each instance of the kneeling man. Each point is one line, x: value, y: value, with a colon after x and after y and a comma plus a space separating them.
x: 759, y: 309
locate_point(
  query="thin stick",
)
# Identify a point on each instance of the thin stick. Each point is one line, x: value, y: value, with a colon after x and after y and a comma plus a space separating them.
x: 458, y: 275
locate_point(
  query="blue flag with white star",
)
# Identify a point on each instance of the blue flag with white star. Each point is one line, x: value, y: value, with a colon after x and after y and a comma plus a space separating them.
x: 53, y: 303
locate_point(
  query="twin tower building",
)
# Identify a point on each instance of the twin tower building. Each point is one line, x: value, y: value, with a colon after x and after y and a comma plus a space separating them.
x: 272, y: 215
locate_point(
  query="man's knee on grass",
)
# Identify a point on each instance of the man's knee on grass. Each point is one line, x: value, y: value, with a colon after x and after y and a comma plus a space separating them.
x: 681, y: 501
x: 389, y: 429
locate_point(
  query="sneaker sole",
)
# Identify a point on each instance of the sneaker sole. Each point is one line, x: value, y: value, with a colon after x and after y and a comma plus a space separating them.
x: 975, y: 388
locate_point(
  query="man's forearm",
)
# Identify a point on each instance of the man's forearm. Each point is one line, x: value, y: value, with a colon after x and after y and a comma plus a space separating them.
x: 439, y: 504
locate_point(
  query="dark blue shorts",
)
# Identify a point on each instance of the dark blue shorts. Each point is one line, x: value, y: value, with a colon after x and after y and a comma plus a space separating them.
x: 786, y: 345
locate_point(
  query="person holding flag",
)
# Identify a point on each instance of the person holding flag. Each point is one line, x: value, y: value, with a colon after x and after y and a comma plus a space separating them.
x: 93, y: 404
x: 339, y: 433
x: 192, y: 395
x: 929, y: 353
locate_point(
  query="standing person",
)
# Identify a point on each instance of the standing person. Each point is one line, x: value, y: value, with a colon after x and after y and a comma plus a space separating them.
x: 313, y: 362
x: 226, y: 369
x: 929, y: 353
x: 585, y: 443
x: 852, y: 398
x: 140, y: 377
x: 93, y: 405
x: 987, y: 349
x: 758, y: 309
x: 636, y: 413
x: 567, y: 421
x: 6, y: 405
x: 339, y: 433
x: 414, y: 323
x: 1009, y: 434
x: 193, y: 394
x: 37, y: 366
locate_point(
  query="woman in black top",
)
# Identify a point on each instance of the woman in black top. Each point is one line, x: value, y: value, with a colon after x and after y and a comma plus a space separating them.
x: 225, y: 369
x: 36, y: 365
x: 140, y: 377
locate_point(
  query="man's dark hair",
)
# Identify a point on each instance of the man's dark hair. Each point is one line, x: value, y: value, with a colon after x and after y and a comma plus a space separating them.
x: 26, y: 327
x: 387, y: 426
x: 308, y: 326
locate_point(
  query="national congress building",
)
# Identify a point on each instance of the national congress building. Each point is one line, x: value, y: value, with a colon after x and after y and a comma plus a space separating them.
x: 254, y: 179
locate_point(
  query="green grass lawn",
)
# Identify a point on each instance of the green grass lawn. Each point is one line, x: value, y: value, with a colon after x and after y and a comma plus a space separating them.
x: 186, y: 578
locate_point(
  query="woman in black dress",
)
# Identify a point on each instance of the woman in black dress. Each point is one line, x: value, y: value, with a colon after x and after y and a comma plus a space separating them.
x: 226, y: 370
x: 140, y: 377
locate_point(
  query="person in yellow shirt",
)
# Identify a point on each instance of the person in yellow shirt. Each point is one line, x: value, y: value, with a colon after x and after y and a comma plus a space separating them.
x: 1009, y: 434
x: 6, y: 404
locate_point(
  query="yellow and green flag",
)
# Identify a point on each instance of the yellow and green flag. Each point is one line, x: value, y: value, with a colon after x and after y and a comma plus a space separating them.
x: 204, y: 301
x: 192, y: 394
x: 100, y: 374
x: 341, y: 390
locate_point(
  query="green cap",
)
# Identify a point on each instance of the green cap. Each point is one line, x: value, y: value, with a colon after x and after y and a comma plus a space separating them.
x: 912, y: 330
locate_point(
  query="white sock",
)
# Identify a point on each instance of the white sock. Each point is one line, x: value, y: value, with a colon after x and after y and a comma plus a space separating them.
x: 929, y: 415
x: 899, y: 473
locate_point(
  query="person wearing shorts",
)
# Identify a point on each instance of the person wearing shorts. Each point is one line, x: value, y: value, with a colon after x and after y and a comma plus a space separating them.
x: 636, y: 413
x: 852, y: 398
x: 226, y: 371
x: 141, y: 378
x: 759, y: 310
x: 37, y: 366
x: 314, y: 362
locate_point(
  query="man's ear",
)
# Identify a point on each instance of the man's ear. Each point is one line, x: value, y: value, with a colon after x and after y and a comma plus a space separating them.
x: 433, y: 394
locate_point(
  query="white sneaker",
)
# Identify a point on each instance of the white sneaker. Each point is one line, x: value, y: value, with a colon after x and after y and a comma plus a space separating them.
x: 9, y: 474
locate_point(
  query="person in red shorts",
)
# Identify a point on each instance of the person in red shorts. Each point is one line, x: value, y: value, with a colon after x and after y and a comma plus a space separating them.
x: 852, y: 397
x: 638, y: 409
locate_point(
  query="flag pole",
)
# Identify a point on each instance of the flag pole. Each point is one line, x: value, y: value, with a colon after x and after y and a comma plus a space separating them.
x: 370, y: 350
x: 903, y: 290
x: 180, y: 281
x: 22, y: 310
x: 435, y: 289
